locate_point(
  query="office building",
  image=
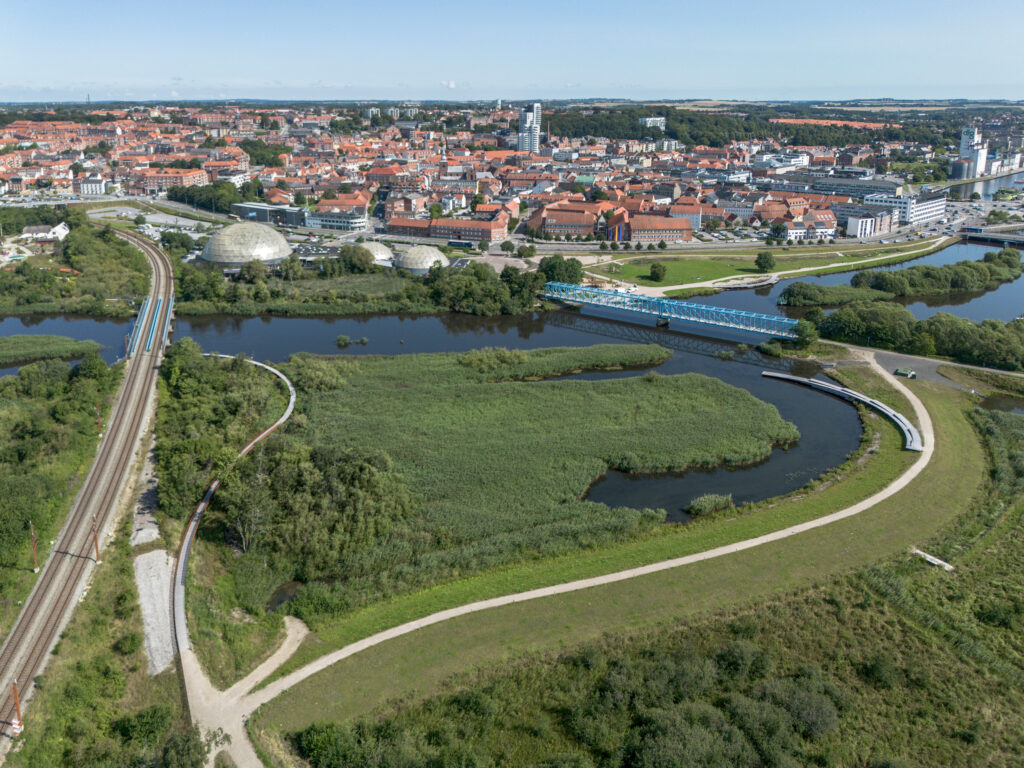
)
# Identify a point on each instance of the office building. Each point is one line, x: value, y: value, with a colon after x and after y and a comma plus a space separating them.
x: 912, y: 210
x: 653, y: 122
x: 529, y: 129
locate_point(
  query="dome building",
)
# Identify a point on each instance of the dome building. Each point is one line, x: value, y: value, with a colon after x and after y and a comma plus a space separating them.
x: 382, y: 255
x: 246, y: 241
x: 420, y: 258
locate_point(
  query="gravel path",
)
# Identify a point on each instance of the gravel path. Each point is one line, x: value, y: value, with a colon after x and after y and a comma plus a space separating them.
x: 153, y: 574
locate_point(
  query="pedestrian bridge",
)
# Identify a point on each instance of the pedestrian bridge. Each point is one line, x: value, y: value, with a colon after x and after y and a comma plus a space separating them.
x: 911, y: 437
x: 668, y: 309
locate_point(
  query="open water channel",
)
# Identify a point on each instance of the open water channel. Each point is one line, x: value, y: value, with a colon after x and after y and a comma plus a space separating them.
x: 829, y: 428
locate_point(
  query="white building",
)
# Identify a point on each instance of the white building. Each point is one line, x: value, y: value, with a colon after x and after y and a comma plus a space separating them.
x: 860, y: 226
x: 529, y: 129
x: 653, y: 122
x: 93, y: 184
x: 348, y: 220
x: 910, y: 210
x: 45, y: 233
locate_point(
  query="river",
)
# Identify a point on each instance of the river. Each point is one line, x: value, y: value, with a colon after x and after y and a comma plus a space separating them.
x: 829, y: 428
x: 1003, y: 303
x: 988, y: 188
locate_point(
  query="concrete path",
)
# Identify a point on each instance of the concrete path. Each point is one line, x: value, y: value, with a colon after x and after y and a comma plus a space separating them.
x: 229, y: 710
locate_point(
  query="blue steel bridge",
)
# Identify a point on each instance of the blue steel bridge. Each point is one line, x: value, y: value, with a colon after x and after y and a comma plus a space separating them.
x: 668, y: 309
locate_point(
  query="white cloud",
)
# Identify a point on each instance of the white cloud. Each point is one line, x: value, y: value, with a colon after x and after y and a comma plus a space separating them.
x: 450, y: 84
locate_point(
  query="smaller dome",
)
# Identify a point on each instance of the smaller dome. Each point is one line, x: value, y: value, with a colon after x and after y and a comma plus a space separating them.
x: 381, y: 253
x: 420, y: 258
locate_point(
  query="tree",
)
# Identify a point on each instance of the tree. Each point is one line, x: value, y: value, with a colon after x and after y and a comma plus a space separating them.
x: 662, y: 245
x: 806, y: 333
x: 765, y: 261
x: 300, y: 199
x: 435, y: 210
x: 508, y: 246
x: 281, y: 184
x: 975, y: 196
x: 291, y: 267
x: 140, y: 220
x: 526, y: 251
x: 712, y: 224
x: 559, y: 269
x: 483, y: 245
x: 779, y: 230
x: 603, y: 246
x: 477, y: 199
x: 658, y: 272
x: 252, y: 271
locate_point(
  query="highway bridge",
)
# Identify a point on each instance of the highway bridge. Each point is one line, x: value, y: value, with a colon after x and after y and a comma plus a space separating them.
x: 669, y: 309
x: 73, y: 556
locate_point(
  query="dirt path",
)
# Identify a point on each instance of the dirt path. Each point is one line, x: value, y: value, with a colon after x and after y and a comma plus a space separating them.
x: 230, y: 709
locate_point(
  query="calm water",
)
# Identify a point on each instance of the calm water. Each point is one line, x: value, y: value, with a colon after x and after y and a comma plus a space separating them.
x: 987, y: 189
x: 108, y: 332
x: 1004, y: 303
x: 829, y: 428
x: 1006, y: 403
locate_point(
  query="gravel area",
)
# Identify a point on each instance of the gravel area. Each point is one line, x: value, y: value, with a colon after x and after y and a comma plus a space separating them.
x: 144, y: 525
x: 154, y: 572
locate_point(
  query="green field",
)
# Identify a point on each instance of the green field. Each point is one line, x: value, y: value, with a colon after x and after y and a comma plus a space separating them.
x: 700, y: 267
x: 412, y: 666
x: 16, y: 350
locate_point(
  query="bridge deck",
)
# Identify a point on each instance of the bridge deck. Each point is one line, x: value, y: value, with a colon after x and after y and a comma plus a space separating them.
x: 911, y: 437
x: 704, y: 314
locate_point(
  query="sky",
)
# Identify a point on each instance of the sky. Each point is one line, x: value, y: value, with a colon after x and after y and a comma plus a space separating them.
x: 528, y: 49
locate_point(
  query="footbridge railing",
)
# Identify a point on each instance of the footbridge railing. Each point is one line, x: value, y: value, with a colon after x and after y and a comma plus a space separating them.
x: 668, y: 309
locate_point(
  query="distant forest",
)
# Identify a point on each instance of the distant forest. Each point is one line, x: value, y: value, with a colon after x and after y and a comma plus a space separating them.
x: 719, y: 128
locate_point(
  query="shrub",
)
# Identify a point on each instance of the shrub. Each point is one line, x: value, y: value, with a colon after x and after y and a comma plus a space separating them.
x: 710, y: 502
x: 880, y: 670
x: 128, y: 644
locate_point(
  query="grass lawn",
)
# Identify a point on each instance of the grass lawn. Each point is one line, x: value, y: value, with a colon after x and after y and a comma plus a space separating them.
x: 415, y: 664
x: 700, y: 267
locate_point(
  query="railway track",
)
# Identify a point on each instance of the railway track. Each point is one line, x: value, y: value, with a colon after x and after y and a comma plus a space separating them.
x: 62, y: 578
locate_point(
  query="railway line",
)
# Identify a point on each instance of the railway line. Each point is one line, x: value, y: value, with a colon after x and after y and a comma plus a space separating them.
x: 59, y: 586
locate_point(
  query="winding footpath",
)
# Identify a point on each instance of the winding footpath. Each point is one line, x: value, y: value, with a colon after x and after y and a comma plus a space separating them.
x: 228, y: 710
x: 205, y: 702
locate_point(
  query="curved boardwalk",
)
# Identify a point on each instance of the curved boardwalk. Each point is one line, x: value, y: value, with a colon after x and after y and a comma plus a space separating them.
x: 911, y: 437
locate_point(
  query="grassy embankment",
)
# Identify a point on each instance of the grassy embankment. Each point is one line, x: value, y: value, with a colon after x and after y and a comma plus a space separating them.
x: 17, y: 350
x: 50, y: 439
x: 96, y: 704
x: 496, y: 480
x: 700, y: 267
x: 791, y: 625
x: 879, y: 461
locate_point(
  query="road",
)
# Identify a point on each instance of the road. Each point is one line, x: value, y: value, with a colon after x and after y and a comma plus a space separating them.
x: 64, y: 575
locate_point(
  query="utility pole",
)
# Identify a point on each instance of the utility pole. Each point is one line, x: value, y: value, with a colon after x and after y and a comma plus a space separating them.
x: 96, y: 540
x: 99, y: 424
x: 35, y: 557
x: 16, y: 727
